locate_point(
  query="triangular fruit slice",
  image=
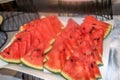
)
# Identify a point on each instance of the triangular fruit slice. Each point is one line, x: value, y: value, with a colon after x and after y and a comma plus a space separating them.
x: 57, y: 56
x: 11, y: 53
x: 74, y: 70
x: 97, y: 38
x: 56, y: 24
x: 90, y: 24
x: 34, y: 57
x: 24, y: 41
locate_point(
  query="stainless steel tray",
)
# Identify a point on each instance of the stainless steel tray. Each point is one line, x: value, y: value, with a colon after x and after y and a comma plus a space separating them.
x: 46, y: 75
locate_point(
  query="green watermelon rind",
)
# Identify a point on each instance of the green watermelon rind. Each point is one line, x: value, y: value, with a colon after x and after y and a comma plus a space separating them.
x: 66, y: 76
x: 52, y: 41
x: 48, y: 49
x: 108, y: 31
x: 69, y: 78
x: 55, y: 71
x: 98, y: 77
x: 31, y: 65
x: 99, y: 63
x: 10, y: 60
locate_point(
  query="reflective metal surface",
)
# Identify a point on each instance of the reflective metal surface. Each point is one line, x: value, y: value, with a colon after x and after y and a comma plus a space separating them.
x: 113, y: 70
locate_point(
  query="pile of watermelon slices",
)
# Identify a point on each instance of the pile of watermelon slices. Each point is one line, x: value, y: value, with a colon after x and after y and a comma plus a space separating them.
x: 74, y: 51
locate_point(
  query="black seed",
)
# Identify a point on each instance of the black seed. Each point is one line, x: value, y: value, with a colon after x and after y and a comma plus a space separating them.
x: 64, y: 49
x: 93, y: 28
x: 92, y: 66
x: 83, y: 28
x: 19, y: 39
x: 37, y: 50
x: 98, y: 39
x: 8, y: 53
x: 71, y: 60
x: 25, y: 30
x: 90, y: 32
x: 42, y: 55
x: 84, y: 53
x: 93, y: 24
x: 70, y: 37
x: 92, y: 54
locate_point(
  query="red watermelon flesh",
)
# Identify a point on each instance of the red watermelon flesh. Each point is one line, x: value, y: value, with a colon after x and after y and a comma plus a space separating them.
x: 46, y: 21
x: 43, y: 28
x: 92, y: 23
x: 22, y: 48
x: 84, y: 56
x: 53, y: 57
x: 24, y: 41
x: 34, y: 57
x: 97, y: 38
x: 11, y: 53
x: 36, y: 33
x: 75, y: 70
x: 56, y: 24
x: 72, y: 33
x: 71, y: 24
x: 29, y: 25
x: 59, y: 54
x: 90, y: 45
x: 87, y: 64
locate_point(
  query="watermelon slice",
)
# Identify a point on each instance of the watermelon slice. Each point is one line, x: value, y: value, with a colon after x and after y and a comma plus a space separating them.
x: 24, y: 41
x: 90, y: 24
x: 97, y: 38
x: 82, y: 55
x: 56, y: 24
x: 58, y: 55
x: 34, y: 57
x: 75, y: 70
x: 11, y: 53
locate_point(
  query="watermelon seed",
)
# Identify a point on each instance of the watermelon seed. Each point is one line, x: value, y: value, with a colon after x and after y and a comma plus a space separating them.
x: 84, y: 53
x: 37, y: 50
x: 70, y: 37
x: 8, y: 53
x: 93, y: 28
x: 71, y: 60
x: 19, y: 39
x: 92, y: 66
x: 80, y: 42
x: 98, y: 39
x: 64, y: 49
x: 92, y: 54
x: 93, y: 24
x: 25, y: 30
x: 83, y: 28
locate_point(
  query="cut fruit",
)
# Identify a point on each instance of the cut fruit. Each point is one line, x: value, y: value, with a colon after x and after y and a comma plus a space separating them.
x: 90, y: 24
x: 11, y: 53
x: 97, y: 38
x: 56, y: 24
x: 34, y: 57
x: 74, y: 70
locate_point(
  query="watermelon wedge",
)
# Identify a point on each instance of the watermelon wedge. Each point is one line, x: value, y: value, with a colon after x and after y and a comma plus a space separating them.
x: 56, y: 24
x: 58, y: 55
x: 11, y: 53
x: 90, y: 24
x: 34, y: 57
